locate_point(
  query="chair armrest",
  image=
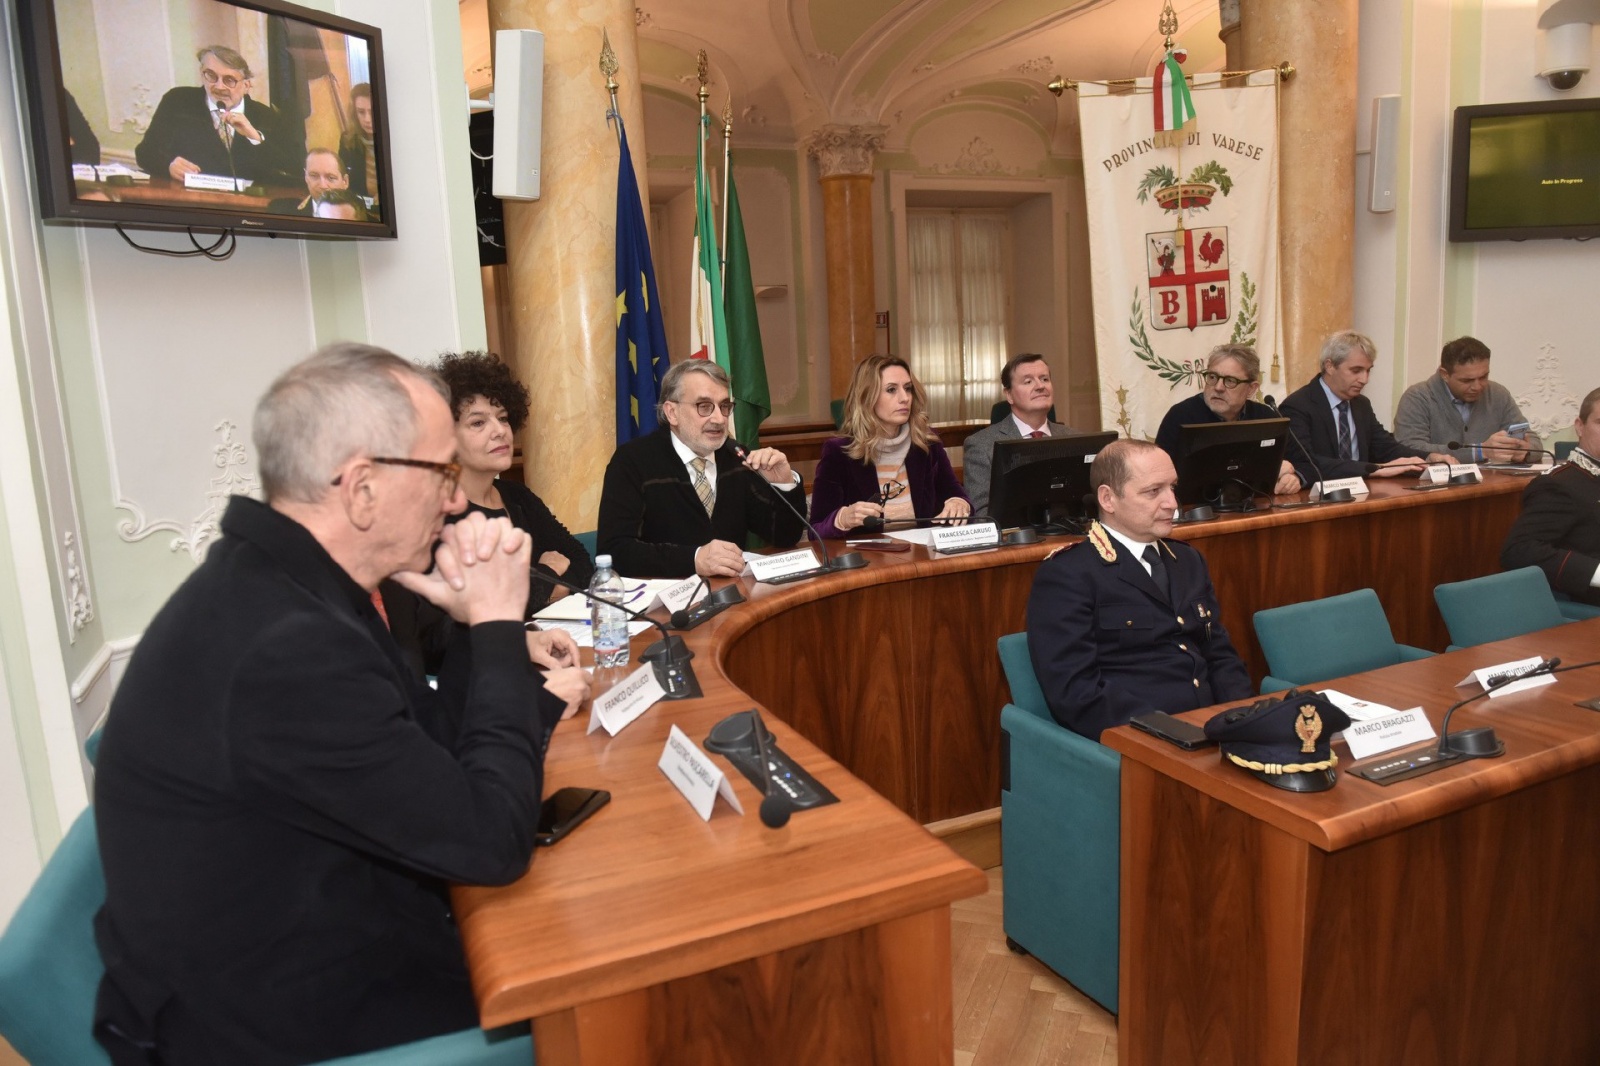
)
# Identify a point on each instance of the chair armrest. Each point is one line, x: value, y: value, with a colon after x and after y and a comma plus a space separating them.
x: 1049, y: 758
x: 1576, y: 611
x: 1274, y: 684
x: 1408, y: 654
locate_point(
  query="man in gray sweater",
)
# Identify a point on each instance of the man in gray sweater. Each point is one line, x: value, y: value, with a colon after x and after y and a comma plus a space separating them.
x: 1460, y: 404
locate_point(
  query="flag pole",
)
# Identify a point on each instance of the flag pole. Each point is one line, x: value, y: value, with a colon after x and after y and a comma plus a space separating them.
x: 608, y: 67
x: 727, y: 170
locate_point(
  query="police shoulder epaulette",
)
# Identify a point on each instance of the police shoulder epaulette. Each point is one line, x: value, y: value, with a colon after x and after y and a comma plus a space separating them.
x: 1102, y: 542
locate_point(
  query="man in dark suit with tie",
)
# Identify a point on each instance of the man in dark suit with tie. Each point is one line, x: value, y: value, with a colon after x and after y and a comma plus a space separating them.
x: 1025, y: 380
x: 678, y: 501
x: 1126, y: 622
x: 219, y: 129
x: 1332, y: 418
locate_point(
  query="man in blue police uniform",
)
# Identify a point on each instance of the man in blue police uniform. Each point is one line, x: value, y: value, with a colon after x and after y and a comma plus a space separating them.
x: 1125, y: 622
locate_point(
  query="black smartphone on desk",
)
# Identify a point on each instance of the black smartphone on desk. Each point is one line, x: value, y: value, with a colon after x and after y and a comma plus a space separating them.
x: 1185, y: 735
x: 565, y: 810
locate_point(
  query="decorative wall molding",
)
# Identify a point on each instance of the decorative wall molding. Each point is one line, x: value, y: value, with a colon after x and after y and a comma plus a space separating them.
x: 80, y: 611
x: 845, y: 150
x: 97, y: 670
x: 1036, y: 65
x: 1549, y: 404
x: 229, y: 456
x: 977, y: 157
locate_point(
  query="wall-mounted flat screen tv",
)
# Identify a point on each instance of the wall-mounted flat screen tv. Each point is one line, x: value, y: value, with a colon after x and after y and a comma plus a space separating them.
x: 251, y: 115
x: 1526, y: 171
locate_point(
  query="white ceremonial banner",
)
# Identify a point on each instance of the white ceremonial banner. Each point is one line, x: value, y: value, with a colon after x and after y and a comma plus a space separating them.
x: 1183, y: 242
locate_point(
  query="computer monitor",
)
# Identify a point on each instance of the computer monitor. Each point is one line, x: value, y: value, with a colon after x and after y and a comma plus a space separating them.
x: 1043, y: 483
x: 1225, y: 465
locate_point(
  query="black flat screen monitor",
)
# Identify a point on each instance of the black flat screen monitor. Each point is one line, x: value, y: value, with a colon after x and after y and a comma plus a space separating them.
x: 1043, y: 483
x: 1225, y: 465
x: 256, y: 116
x: 1525, y: 171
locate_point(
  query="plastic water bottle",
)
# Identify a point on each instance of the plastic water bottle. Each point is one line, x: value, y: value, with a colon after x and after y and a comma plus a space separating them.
x: 607, y: 623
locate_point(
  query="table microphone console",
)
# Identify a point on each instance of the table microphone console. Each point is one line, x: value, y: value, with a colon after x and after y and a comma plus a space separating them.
x: 734, y: 737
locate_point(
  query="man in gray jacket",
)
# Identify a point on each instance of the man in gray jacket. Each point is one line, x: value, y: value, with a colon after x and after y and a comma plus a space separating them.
x: 1025, y: 380
x: 1460, y: 404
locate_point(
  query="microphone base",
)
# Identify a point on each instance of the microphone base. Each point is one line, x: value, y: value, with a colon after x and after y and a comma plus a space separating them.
x: 847, y: 561
x: 1404, y: 766
x: 1202, y: 513
x: 714, y: 604
x: 1025, y: 535
x: 673, y: 672
x: 1337, y: 496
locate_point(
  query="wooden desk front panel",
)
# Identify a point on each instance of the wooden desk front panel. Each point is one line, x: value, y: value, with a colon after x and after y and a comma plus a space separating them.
x: 899, y: 680
x: 1465, y: 939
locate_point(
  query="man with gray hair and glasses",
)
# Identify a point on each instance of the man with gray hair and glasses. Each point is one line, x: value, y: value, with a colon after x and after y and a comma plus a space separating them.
x: 280, y: 801
x: 217, y: 127
x: 1331, y: 418
x: 679, y: 501
x: 1233, y: 371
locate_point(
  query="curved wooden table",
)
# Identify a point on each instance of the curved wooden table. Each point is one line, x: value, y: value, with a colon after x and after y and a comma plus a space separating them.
x: 1450, y: 918
x: 651, y: 937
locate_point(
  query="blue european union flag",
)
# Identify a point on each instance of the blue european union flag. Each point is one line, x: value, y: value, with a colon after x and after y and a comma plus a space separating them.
x: 641, y: 337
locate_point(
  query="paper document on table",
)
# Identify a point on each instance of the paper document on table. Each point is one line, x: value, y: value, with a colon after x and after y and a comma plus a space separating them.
x: 638, y: 594
x: 1358, y: 710
x: 583, y: 634
x: 923, y: 537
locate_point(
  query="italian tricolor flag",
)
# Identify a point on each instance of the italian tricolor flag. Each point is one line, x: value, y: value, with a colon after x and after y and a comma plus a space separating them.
x: 708, y: 328
x: 1169, y: 92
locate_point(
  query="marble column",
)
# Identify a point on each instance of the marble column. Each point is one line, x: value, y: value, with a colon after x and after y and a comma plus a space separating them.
x: 1317, y: 145
x: 1228, y: 10
x: 844, y: 157
x: 561, y: 250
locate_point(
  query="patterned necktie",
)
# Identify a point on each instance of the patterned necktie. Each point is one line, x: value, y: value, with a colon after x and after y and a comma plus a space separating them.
x: 1036, y: 434
x: 224, y: 130
x: 1158, y: 571
x: 702, y: 485
x: 1347, y: 446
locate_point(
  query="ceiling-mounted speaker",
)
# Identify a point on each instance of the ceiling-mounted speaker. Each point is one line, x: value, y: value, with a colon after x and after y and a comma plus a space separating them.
x: 518, y: 104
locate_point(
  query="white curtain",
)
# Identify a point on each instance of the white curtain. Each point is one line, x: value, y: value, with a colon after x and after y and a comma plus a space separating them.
x: 983, y: 312
x: 959, y: 309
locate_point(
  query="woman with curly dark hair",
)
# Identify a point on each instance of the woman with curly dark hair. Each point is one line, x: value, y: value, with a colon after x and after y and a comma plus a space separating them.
x: 490, y: 407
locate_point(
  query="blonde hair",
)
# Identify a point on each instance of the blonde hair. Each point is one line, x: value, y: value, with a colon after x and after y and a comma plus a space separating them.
x: 862, y: 425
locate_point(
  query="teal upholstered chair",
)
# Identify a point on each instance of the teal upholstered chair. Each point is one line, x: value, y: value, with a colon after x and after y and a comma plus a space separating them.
x: 589, y: 540
x: 1309, y: 642
x: 836, y: 409
x: 1060, y: 831
x: 1563, y: 450
x: 1574, y: 611
x: 1498, y: 606
x: 50, y: 969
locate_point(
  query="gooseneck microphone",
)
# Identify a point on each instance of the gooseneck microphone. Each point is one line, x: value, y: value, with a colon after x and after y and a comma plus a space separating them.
x: 1455, y: 444
x: 1481, y: 743
x: 1337, y: 495
x: 847, y: 561
x: 670, y: 653
x: 775, y: 807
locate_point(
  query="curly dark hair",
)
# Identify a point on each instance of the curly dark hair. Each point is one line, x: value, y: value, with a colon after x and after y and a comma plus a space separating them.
x: 469, y: 374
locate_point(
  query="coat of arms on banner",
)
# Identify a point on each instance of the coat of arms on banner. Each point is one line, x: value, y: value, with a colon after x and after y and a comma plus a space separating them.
x: 1188, y: 278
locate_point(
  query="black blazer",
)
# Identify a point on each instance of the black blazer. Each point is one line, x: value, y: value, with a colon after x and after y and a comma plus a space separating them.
x: 280, y: 805
x: 652, y: 522
x: 1106, y: 644
x: 1312, y: 422
x: 182, y: 126
x: 1559, y: 530
x: 530, y: 514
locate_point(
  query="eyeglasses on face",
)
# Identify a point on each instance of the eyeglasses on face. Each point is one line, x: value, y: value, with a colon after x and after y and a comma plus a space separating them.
x: 210, y: 77
x: 1226, y: 381
x: 450, y: 472
x: 704, y: 408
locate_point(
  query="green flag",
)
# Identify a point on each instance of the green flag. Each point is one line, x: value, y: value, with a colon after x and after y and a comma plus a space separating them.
x: 747, y: 363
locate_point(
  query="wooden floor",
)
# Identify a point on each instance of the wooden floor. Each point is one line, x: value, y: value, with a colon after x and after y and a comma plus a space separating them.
x: 1009, y: 1009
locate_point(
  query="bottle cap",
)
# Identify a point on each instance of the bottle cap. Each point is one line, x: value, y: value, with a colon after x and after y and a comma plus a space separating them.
x: 602, y: 562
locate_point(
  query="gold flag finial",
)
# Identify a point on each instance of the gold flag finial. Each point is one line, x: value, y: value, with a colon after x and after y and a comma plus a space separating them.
x: 608, y: 61
x: 1168, y: 24
x: 727, y: 117
x: 701, y: 66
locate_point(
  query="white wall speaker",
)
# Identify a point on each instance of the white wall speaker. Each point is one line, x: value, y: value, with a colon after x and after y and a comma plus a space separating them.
x: 518, y: 106
x: 1385, y: 153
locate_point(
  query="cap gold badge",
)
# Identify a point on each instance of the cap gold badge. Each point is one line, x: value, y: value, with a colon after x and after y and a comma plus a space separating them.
x: 1308, y: 727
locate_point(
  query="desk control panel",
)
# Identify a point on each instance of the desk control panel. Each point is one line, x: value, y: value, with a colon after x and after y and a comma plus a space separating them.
x: 735, y: 738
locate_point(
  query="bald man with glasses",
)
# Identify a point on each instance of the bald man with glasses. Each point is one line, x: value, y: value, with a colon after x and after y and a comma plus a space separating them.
x: 679, y: 501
